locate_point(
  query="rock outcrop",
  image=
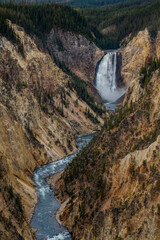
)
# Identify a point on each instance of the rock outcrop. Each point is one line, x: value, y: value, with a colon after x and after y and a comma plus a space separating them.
x: 79, y: 54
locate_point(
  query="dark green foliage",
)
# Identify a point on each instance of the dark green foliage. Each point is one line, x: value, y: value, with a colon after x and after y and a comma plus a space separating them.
x: 90, y: 3
x: 10, y: 191
x: 45, y: 99
x: 15, y: 213
x: 7, y: 31
x: 125, y: 18
x: 81, y: 88
x: 1, y: 168
x: 129, y: 17
x: 158, y: 206
x: 8, y: 225
x: 14, y: 201
x: 144, y: 163
x: 80, y: 167
x: 18, y: 203
x: 118, y: 238
x: 91, y: 116
x: 92, y: 185
x: 116, y: 118
x: 21, y: 85
x: 40, y: 19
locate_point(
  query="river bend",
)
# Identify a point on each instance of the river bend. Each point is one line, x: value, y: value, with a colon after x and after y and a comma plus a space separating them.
x: 44, y: 217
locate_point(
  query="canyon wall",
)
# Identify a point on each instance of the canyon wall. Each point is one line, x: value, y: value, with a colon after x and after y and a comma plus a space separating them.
x: 133, y: 57
x: 111, y: 190
x: 40, y: 115
x: 79, y: 54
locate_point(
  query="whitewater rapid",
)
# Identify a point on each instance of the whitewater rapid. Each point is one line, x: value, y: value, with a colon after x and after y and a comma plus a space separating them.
x: 106, y: 78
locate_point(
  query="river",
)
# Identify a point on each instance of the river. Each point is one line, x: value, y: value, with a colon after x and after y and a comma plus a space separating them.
x: 44, y: 217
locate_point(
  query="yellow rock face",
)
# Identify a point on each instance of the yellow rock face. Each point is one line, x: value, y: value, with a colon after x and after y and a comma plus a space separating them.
x: 134, y: 56
x: 30, y: 135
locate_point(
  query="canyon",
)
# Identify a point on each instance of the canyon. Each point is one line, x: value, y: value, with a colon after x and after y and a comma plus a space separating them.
x: 41, y: 113
x: 111, y: 190
x: 79, y: 54
x: 48, y: 97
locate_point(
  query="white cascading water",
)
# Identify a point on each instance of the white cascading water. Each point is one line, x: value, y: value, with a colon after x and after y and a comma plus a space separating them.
x: 106, y: 78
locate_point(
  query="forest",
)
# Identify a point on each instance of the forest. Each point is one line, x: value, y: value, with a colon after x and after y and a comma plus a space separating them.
x: 92, y: 3
x: 39, y: 19
x: 121, y: 20
x: 82, y: 3
x: 106, y: 26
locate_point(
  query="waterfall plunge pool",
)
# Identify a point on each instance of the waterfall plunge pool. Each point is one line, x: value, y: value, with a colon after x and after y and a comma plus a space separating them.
x: 106, y: 81
x: 44, y: 217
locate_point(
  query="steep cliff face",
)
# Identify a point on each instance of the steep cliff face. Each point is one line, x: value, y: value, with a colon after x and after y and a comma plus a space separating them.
x: 40, y: 114
x: 79, y: 55
x: 112, y: 189
x: 133, y: 57
x: 39, y: 78
x: 18, y: 158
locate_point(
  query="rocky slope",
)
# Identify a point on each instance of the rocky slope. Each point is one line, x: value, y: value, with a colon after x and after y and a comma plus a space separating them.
x: 134, y: 56
x: 40, y: 114
x: 111, y: 189
x: 79, y: 54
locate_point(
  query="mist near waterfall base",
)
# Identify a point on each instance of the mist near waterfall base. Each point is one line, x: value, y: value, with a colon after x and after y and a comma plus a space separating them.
x: 106, y: 83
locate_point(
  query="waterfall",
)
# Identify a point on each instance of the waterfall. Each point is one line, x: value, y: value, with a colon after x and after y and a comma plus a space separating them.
x: 106, y: 78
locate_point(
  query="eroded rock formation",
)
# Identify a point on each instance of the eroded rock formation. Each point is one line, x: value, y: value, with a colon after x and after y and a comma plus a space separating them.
x: 40, y: 114
x: 111, y: 190
x: 79, y: 54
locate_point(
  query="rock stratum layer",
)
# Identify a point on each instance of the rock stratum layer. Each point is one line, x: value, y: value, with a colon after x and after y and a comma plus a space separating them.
x: 112, y: 190
x: 40, y: 114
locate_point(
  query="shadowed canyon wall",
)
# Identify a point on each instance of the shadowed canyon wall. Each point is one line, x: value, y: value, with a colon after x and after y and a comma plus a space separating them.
x: 79, y: 54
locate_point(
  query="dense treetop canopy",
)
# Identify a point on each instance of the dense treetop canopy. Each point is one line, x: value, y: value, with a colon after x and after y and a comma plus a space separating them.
x: 120, y: 20
x: 106, y: 26
x: 39, y: 19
